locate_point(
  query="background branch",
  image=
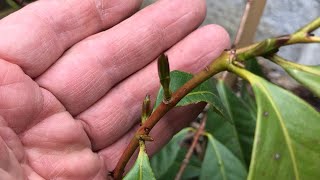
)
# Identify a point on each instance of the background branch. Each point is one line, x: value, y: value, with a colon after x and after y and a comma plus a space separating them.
x: 246, y: 31
x: 196, y: 137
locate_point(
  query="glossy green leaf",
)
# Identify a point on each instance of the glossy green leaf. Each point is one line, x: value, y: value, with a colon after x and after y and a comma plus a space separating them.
x: 163, y: 160
x: 247, y: 96
x: 141, y: 170
x: 253, y: 66
x: 192, y: 170
x: 286, y: 144
x: 309, y: 76
x: 205, y: 92
x: 238, y: 135
x: 221, y: 164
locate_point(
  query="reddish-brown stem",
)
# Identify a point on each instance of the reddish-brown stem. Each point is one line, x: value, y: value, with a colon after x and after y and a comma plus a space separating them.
x: 220, y: 64
x: 215, y: 67
x: 196, y: 137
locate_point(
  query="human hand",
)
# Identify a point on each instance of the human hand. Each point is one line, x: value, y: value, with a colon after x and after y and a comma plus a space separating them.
x: 73, y: 75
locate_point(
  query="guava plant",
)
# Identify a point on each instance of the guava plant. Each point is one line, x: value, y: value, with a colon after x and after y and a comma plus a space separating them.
x: 275, y: 135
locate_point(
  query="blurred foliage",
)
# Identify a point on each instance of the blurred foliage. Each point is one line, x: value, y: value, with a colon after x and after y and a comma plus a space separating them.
x: 9, y: 6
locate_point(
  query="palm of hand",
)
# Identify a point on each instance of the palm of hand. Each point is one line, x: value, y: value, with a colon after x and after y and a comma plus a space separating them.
x: 70, y: 117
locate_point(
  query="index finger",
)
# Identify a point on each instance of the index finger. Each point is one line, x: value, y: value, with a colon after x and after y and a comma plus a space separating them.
x: 37, y: 35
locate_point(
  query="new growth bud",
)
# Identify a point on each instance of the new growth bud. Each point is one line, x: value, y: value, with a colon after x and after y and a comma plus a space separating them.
x: 164, y: 76
x: 146, y: 109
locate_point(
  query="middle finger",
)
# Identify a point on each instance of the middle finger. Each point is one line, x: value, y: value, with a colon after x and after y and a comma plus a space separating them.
x: 89, y: 69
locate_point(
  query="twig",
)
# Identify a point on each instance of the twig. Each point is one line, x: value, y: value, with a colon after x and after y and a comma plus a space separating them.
x: 192, y: 147
x: 246, y: 31
x: 218, y: 65
x: 271, y: 45
x: 226, y: 60
x: 249, y: 22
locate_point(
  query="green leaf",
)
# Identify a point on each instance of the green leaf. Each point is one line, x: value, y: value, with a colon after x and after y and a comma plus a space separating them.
x: 309, y: 76
x: 247, y: 96
x: 141, y: 169
x: 238, y: 135
x: 286, y: 144
x: 253, y: 66
x: 221, y: 164
x: 163, y: 160
x: 205, y: 92
x: 12, y: 4
x: 192, y: 169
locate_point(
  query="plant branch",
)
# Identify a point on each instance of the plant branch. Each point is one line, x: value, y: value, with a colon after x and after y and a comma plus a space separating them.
x: 229, y: 60
x: 218, y: 65
x: 246, y: 31
x: 249, y: 22
x: 315, y: 24
x: 196, y: 137
x: 271, y: 45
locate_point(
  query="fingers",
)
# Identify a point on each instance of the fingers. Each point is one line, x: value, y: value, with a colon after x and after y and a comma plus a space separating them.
x: 20, y: 97
x: 96, y: 64
x: 58, y: 148
x: 36, y: 36
x: 161, y: 133
x: 111, y: 117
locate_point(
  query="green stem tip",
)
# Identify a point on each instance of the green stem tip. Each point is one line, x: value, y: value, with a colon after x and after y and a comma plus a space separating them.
x: 146, y: 109
x: 164, y: 76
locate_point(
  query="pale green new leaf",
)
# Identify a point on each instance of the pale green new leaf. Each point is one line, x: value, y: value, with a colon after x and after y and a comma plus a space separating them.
x: 141, y: 169
x: 221, y: 164
x: 309, y: 76
x: 205, y: 92
x: 287, y: 143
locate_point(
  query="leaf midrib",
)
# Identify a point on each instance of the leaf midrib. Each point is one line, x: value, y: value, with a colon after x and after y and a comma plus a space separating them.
x: 222, y: 169
x: 285, y: 132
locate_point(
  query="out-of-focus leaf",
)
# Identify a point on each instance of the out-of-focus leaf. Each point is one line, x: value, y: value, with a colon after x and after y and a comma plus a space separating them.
x: 253, y: 66
x: 221, y: 164
x: 141, y: 169
x: 163, y: 160
x: 238, y: 135
x: 205, y: 92
x: 309, y: 76
x: 167, y: 162
x: 286, y: 144
x: 246, y: 95
x: 192, y: 169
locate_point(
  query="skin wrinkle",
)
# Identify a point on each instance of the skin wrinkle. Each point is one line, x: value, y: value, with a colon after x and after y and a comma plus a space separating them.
x: 13, y: 142
x: 54, y: 35
x: 23, y: 107
x: 115, y: 56
x: 25, y: 64
x: 73, y: 21
x: 135, y: 116
x: 105, y: 12
x: 67, y: 30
